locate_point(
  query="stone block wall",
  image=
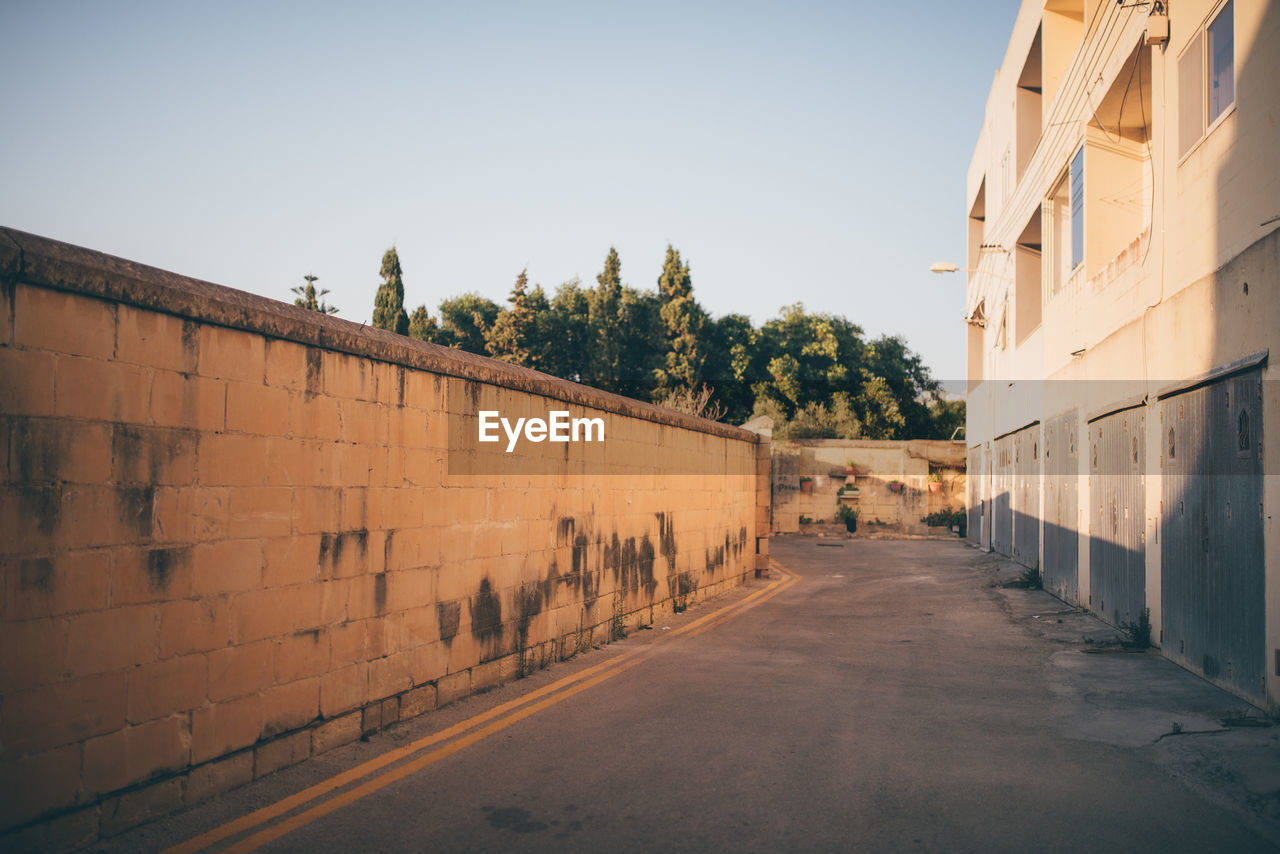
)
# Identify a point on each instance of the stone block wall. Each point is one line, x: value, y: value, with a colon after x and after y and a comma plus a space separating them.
x: 234, y: 533
x: 877, y: 464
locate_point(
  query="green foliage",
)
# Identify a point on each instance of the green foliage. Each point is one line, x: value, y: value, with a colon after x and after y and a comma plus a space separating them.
x: 947, y: 417
x: 422, y: 325
x: 845, y: 512
x: 311, y: 299
x: 944, y: 517
x: 520, y: 335
x: 604, y: 303
x: 464, y: 322
x: 733, y: 364
x: 388, y: 304
x: 1138, y: 633
x: 814, y: 374
x: 571, y: 330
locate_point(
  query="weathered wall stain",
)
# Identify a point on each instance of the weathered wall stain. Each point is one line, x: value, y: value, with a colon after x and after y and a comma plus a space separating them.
x: 135, y: 505
x: 332, y: 546
x: 667, y: 540
x: 190, y: 345
x: 449, y: 615
x: 36, y: 574
x: 486, y: 613
x: 44, y: 504
x: 142, y: 454
x: 161, y: 564
x: 38, y: 449
x: 314, y: 377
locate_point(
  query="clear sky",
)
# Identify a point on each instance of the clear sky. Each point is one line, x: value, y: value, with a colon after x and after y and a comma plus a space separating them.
x: 797, y: 151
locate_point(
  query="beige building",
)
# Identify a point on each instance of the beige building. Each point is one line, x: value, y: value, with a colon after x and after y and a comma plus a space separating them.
x: 1123, y: 209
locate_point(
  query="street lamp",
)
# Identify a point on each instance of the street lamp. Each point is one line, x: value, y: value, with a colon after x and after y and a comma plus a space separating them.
x: 944, y: 267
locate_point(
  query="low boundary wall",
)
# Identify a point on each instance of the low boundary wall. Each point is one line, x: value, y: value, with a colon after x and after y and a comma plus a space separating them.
x: 891, y: 483
x: 234, y: 533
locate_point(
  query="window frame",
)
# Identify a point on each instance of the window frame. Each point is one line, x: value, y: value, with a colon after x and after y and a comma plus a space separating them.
x: 1199, y: 42
x: 1077, y: 157
x: 1054, y: 255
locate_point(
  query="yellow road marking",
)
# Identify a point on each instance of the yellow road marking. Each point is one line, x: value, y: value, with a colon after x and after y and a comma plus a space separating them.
x: 560, y: 690
x: 364, y: 769
x: 320, y: 810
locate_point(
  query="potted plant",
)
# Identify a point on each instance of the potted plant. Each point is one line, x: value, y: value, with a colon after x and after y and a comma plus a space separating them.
x: 895, y: 486
x: 851, y: 491
x: 806, y: 484
x: 935, y: 481
x: 850, y: 469
x: 848, y: 515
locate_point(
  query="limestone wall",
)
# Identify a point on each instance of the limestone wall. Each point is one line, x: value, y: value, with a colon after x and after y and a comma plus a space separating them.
x: 234, y: 533
x: 889, y: 486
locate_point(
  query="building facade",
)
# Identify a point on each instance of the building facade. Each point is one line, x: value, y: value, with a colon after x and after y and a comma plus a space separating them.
x: 1123, y: 267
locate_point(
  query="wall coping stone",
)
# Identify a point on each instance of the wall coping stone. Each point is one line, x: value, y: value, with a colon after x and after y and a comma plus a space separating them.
x: 51, y: 263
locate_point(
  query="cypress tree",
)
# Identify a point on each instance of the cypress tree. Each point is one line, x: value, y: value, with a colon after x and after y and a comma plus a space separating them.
x: 388, y: 305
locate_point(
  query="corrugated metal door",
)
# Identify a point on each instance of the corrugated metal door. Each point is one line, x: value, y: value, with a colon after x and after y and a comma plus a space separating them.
x: 1026, y: 496
x: 1061, y: 508
x: 1117, y: 547
x: 973, y: 528
x: 988, y: 474
x: 1002, y: 497
x: 1211, y: 529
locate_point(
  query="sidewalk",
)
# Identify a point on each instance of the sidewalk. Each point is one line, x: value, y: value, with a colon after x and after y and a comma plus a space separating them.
x: 1216, y: 744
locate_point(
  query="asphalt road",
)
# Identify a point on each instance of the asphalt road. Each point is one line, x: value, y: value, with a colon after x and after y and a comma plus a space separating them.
x: 886, y: 700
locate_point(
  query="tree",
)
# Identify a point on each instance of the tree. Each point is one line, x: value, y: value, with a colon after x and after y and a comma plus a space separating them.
x: 639, y: 335
x: 674, y: 281
x: 464, y: 321
x: 948, y: 417
x: 906, y: 381
x: 388, y: 305
x: 682, y: 328
x: 310, y: 298
x: 570, y: 330
x: 422, y: 325
x: 808, y: 358
x: 603, y: 304
x: 521, y: 334
x: 733, y: 364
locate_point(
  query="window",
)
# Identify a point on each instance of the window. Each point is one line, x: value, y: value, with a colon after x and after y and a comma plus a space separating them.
x: 1206, y: 78
x: 1077, y: 209
x: 1222, y: 77
x: 1064, y: 224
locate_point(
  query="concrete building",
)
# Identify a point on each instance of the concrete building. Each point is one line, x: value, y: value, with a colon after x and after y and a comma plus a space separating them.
x: 1123, y: 209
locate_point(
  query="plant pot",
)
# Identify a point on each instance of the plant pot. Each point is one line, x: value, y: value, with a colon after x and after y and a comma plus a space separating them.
x: 935, y: 486
x: 850, y: 471
x: 895, y: 486
x: 851, y: 525
x: 806, y: 486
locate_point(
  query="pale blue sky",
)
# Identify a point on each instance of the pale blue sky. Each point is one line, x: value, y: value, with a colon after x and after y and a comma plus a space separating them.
x: 796, y: 151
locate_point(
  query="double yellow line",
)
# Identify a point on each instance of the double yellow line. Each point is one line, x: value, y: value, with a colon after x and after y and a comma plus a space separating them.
x: 471, y: 730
